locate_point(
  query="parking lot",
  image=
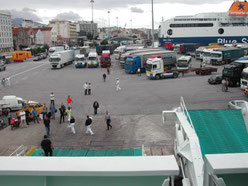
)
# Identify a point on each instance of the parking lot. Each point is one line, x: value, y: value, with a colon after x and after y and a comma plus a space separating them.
x: 135, y: 110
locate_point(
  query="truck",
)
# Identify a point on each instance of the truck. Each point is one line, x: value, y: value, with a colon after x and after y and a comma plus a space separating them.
x: 199, y: 51
x: 132, y: 52
x: 226, y: 55
x: 105, y: 60
x: 85, y: 50
x: 244, y: 79
x: 93, y: 60
x: 80, y: 61
x: 156, y: 69
x: 188, y: 48
x: 12, y: 103
x: 118, y: 51
x: 110, y: 47
x: 233, y: 71
x: 184, y: 62
x: 55, y: 49
x: 62, y: 58
x: 138, y: 60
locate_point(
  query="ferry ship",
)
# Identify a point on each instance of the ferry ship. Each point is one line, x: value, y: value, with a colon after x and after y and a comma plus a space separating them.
x: 205, y: 28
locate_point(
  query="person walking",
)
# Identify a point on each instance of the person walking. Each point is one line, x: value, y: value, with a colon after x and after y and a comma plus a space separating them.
x: 52, y: 98
x: 85, y: 88
x: 62, y: 110
x: 118, y: 84
x: 3, y: 82
x: 108, y: 70
x: 108, y: 120
x: 47, y: 125
x: 95, y: 106
x: 35, y: 116
x: 139, y: 72
x: 27, y: 116
x: 104, y: 77
x: 52, y: 110
x: 88, y: 123
x: 44, y: 111
x: 7, y: 81
x: 72, y: 123
x: 69, y: 100
x: 23, y: 119
x: 68, y: 112
x: 47, y: 146
x: 89, y: 89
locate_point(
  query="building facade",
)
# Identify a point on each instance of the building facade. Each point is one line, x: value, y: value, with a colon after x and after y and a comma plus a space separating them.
x: 88, y: 27
x: 20, y: 38
x: 6, y: 38
x: 64, y: 29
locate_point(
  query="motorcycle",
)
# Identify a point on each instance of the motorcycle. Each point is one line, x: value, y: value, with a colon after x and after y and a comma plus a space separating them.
x: 15, y: 123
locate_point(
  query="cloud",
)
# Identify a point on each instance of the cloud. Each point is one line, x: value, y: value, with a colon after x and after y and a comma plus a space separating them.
x: 98, y: 4
x: 25, y: 13
x: 71, y: 16
x: 136, y: 10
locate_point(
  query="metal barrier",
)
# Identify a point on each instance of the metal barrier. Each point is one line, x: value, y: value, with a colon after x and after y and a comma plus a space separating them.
x: 20, y: 151
x: 185, y: 111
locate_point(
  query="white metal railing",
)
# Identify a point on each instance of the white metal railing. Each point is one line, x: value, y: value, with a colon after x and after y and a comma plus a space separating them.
x: 185, y: 112
x: 20, y: 151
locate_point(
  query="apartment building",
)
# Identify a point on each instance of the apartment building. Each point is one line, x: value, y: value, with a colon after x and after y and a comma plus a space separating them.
x: 6, y: 38
x: 88, y: 27
x: 64, y: 29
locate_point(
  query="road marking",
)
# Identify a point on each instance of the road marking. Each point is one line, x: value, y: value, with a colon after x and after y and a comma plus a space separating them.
x: 27, y: 71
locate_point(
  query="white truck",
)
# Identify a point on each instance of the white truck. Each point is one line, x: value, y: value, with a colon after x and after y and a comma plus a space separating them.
x: 85, y: 50
x: 62, y: 58
x: 184, y: 62
x: 55, y: 49
x: 12, y: 103
x: 119, y: 50
x: 80, y: 61
x: 93, y: 60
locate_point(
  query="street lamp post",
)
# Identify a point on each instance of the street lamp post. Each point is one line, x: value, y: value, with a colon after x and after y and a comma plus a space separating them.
x: 152, y: 26
x: 108, y: 22
x: 131, y: 24
x: 92, y: 32
x: 117, y: 21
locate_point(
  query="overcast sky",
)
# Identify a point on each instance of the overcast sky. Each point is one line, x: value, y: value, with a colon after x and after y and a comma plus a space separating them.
x: 132, y: 13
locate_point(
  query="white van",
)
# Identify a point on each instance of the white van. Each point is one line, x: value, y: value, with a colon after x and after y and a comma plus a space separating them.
x: 12, y: 103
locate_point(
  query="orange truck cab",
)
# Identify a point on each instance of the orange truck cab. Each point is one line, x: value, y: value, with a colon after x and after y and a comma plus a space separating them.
x: 105, y: 60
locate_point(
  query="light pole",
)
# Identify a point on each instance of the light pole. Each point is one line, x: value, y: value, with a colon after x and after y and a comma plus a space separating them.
x: 117, y: 21
x: 131, y: 24
x: 152, y: 26
x: 108, y: 22
x: 92, y: 3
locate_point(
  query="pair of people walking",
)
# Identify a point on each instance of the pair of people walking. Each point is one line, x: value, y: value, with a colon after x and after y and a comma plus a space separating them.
x: 87, y: 88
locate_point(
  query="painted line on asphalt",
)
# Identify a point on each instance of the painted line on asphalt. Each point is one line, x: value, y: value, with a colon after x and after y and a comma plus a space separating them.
x: 26, y: 71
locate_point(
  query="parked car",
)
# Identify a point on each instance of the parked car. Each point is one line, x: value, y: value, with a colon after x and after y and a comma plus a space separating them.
x: 38, y: 58
x: 215, y: 79
x: 237, y: 104
x: 44, y: 55
x: 30, y: 105
x: 246, y: 92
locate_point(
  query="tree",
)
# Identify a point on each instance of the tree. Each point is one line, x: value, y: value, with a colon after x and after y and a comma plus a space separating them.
x: 134, y: 36
x: 104, y: 42
x: 89, y: 36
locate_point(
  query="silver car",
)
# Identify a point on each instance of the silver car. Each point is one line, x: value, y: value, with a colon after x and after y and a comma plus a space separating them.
x: 237, y: 104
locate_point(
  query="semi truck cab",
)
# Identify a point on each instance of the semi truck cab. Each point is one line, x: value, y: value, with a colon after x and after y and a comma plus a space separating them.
x: 54, y: 60
x: 93, y: 60
x: 105, y: 60
x: 80, y: 61
x: 132, y: 64
x: 184, y: 62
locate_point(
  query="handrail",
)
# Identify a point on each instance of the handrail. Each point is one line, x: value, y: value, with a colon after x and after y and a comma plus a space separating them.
x: 185, y: 112
x: 21, y: 152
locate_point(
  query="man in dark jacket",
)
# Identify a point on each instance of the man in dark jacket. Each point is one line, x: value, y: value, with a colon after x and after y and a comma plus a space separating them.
x: 47, y: 146
x: 88, y: 125
x: 62, y: 113
x: 47, y: 125
x: 95, y: 106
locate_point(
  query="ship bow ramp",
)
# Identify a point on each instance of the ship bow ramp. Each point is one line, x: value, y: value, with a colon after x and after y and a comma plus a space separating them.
x: 220, y: 131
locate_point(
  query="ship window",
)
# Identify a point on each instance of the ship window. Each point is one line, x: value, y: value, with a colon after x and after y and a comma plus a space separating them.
x: 221, y: 31
x: 169, y: 32
x: 192, y: 25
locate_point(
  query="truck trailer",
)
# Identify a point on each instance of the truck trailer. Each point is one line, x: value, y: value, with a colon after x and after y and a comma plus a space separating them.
x: 138, y: 60
x: 62, y: 58
x: 226, y: 55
